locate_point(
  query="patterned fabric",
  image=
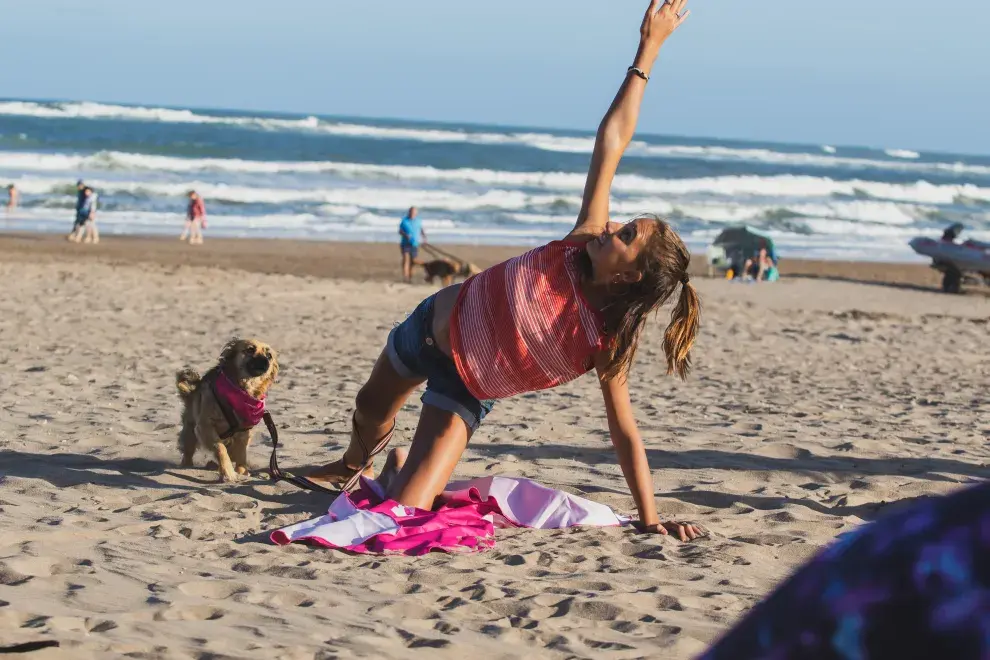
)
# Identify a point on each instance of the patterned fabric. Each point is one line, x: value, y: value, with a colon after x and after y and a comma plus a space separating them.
x: 465, y: 520
x: 915, y: 584
x: 245, y: 407
x: 524, y: 325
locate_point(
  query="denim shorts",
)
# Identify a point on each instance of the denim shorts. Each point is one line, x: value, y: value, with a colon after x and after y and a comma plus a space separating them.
x: 411, y: 250
x: 413, y: 353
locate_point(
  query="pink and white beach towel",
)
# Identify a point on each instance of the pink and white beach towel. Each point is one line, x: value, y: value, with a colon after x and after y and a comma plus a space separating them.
x: 365, y: 522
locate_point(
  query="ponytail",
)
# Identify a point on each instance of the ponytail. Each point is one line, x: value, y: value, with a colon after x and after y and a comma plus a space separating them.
x: 682, y: 331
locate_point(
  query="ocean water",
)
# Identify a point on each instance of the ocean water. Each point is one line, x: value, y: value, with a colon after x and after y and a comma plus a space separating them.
x: 280, y: 175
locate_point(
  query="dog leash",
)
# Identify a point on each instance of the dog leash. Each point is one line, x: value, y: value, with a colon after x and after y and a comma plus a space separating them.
x: 429, y: 247
x: 277, y: 474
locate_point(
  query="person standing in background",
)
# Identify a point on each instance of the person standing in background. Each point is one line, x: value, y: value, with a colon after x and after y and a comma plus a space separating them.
x: 80, y: 194
x: 195, y: 220
x: 80, y: 198
x: 85, y: 228
x: 412, y: 233
x: 12, y: 197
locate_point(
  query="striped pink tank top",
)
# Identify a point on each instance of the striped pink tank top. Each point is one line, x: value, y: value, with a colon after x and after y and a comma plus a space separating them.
x: 524, y: 325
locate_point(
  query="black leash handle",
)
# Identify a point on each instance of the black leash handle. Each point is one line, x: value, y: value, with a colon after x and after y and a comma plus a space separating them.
x: 277, y: 474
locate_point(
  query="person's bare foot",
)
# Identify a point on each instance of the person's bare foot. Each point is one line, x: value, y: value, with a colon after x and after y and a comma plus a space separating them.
x: 396, y: 459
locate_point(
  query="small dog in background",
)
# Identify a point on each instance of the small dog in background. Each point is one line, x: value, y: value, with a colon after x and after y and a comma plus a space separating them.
x: 222, y: 407
x: 448, y: 269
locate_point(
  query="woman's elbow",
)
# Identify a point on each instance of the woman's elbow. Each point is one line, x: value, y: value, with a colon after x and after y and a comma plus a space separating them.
x: 610, y: 139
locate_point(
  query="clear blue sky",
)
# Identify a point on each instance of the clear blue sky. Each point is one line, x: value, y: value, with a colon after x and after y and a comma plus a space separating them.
x: 891, y: 73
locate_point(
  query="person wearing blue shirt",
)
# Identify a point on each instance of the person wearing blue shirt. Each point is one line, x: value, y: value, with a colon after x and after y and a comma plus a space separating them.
x: 412, y: 234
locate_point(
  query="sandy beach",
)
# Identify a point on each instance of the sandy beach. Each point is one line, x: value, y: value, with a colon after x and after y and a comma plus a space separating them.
x: 378, y: 261
x: 816, y: 403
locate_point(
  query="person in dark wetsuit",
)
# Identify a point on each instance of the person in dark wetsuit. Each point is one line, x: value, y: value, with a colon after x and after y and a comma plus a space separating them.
x: 952, y: 232
x: 77, y: 225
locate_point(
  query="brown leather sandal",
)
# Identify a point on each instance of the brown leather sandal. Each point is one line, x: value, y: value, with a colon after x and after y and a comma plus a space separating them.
x: 369, y: 456
x: 277, y: 474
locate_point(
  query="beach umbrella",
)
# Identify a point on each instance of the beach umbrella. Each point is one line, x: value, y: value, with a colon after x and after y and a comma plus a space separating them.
x: 745, y: 241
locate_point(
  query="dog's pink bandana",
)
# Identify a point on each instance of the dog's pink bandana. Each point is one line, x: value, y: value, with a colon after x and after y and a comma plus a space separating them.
x: 249, y: 410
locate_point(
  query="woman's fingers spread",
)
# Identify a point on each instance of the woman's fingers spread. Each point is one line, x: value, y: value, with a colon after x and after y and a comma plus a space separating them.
x: 684, y: 531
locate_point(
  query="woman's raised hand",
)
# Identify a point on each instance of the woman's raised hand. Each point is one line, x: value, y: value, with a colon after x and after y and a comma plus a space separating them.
x: 661, y: 19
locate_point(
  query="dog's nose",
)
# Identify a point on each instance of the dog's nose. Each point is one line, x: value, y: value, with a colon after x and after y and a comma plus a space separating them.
x: 257, y: 365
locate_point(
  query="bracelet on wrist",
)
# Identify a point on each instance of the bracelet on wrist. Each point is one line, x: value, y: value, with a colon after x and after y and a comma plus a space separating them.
x: 639, y: 72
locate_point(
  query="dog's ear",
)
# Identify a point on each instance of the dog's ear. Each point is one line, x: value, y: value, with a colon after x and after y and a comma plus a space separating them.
x: 274, y: 367
x: 228, y: 350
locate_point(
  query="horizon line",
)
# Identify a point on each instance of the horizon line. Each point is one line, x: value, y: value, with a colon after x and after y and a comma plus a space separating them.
x: 476, y: 124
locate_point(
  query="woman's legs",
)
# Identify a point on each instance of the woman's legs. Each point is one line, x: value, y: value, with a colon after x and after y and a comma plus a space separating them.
x: 186, y: 230
x: 196, y: 237
x: 376, y: 406
x: 90, y: 233
x: 440, y: 439
x: 393, y: 463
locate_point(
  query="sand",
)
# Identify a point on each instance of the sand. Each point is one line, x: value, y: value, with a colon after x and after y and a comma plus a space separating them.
x: 378, y: 261
x: 814, y: 405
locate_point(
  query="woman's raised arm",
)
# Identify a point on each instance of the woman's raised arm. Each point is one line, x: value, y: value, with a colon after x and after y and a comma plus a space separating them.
x: 619, y: 124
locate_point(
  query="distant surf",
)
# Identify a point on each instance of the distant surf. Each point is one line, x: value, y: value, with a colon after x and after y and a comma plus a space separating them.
x: 326, y: 177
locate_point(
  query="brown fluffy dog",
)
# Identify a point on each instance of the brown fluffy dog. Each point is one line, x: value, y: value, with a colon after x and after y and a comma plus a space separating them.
x: 448, y: 269
x: 245, y: 364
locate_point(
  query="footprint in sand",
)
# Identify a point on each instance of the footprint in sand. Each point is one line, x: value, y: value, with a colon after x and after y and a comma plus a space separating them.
x: 212, y: 589
x: 406, y: 609
x: 606, y: 646
x: 11, y: 578
x: 767, y: 539
x: 416, y: 642
x: 293, y: 572
x: 190, y: 613
x: 593, y: 610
